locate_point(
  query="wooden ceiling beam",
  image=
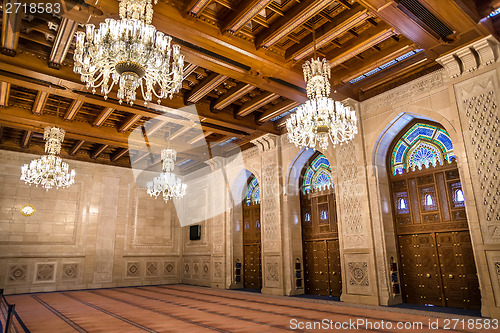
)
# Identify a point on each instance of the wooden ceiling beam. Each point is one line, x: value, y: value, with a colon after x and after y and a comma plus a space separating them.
x: 277, y: 109
x: 255, y: 103
x: 98, y: 151
x: 205, y: 87
x: 11, y: 27
x: 40, y: 101
x: 24, y: 120
x: 245, y: 12
x: 340, y: 24
x: 178, y: 133
x: 296, y: 16
x: 200, y: 137
x: 153, y: 127
x: 118, y: 154
x: 65, y: 34
x: 355, y: 46
x: 372, y: 62
x: 127, y: 124
x: 231, y: 95
x: 195, y: 7
x: 26, y: 140
x: 76, y: 147
x: 4, y: 93
x: 190, y: 68
x: 103, y: 116
x: 73, y: 110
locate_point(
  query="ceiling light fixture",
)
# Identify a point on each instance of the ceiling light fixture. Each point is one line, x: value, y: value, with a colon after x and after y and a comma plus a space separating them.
x: 130, y: 53
x: 49, y: 171
x: 167, y: 183
x: 320, y: 119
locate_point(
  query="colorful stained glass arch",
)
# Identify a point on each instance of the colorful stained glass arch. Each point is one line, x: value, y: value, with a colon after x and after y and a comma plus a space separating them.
x: 318, y: 175
x: 252, y: 195
x: 421, y: 146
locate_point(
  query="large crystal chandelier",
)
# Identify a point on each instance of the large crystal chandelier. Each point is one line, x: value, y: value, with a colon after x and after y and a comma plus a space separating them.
x: 320, y: 119
x: 49, y: 171
x: 167, y: 183
x: 130, y: 53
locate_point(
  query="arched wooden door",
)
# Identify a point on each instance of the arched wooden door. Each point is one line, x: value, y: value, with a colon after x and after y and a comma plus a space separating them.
x: 252, y: 266
x: 435, y: 252
x: 319, y: 230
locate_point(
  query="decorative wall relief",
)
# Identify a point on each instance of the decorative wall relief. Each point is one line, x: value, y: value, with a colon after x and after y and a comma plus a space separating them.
x: 196, y: 269
x: 17, y: 273
x: 70, y: 271
x: 151, y: 224
x: 217, y: 270
x: 218, y: 233
x: 359, y: 279
x: 186, y: 271
x: 358, y: 273
x: 272, y: 272
x: 351, y: 190
x: 205, y: 274
x: 132, y: 270
x: 169, y: 268
x: 270, y: 208
x: 480, y: 118
x: 152, y: 269
x: 45, y: 272
x: 405, y: 92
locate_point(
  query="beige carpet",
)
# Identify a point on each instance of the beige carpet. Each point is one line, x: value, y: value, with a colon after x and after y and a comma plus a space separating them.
x: 182, y: 308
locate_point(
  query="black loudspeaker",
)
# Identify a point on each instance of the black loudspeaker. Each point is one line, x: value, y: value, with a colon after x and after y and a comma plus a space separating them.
x: 195, y: 232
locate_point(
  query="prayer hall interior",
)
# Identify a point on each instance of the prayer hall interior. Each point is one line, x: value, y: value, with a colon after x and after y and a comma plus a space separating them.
x: 257, y: 165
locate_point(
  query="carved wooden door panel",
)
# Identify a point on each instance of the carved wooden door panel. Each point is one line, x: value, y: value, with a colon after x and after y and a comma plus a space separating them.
x: 430, y: 282
x: 409, y: 269
x: 252, y: 267
x: 334, y: 267
x: 437, y: 262
x: 317, y: 268
x: 420, y: 271
x: 458, y: 272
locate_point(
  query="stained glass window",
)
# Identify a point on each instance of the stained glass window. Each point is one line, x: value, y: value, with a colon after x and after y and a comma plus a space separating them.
x: 318, y: 175
x: 459, y: 196
x: 252, y: 195
x: 422, y: 146
x: 428, y: 200
x: 402, y: 204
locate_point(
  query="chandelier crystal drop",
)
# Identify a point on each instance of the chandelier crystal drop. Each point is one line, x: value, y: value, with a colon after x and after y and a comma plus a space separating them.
x: 130, y: 53
x: 49, y: 171
x: 167, y: 183
x: 320, y: 119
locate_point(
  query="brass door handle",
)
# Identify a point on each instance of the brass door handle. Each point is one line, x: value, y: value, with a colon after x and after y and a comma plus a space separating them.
x: 451, y: 276
x: 320, y: 273
x: 428, y: 275
x: 333, y: 273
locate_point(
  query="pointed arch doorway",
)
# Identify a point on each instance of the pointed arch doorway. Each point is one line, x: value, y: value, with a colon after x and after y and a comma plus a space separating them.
x: 435, y: 252
x: 319, y: 229
x: 252, y: 266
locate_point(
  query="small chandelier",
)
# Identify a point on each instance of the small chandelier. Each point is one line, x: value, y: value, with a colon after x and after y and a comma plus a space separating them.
x: 49, y: 171
x: 130, y: 53
x: 321, y: 118
x: 167, y: 183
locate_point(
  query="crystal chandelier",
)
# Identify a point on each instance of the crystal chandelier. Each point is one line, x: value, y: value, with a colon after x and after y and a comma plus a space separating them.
x: 130, y: 53
x: 321, y: 118
x: 49, y: 170
x: 167, y: 183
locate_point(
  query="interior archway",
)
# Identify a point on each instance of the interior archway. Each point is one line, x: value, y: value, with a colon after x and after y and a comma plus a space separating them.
x: 252, y: 262
x: 320, y: 237
x: 436, y: 262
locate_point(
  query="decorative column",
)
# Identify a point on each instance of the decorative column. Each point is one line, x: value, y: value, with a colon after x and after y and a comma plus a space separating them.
x: 476, y: 90
x: 359, y: 278
x: 270, y: 183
